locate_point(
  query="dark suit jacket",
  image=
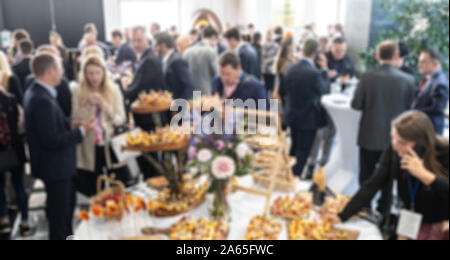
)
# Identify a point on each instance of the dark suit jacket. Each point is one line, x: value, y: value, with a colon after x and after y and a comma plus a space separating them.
x: 343, y: 67
x: 148, y: 76
x: 248, y: 88
x: 178, y: 78
x: 433, y: 100
x: 305, y: 86
x: 22, y: 70
x: 125, y: 53
x: 382, y: 95
x: 249, y: 60
x: 51, y: 141
x: 64, y: 94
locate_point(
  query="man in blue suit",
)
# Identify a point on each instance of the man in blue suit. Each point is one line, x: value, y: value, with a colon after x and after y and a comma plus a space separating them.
x: 305, y: 85
x: 247, y: 54
x: 52, y: 139
x: 177, y: 76
x: 233, y: 83
x: 432, y: 96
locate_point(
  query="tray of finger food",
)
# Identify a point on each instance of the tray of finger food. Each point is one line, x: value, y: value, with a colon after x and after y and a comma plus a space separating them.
x: 333, y: 206
x: 302, y: 229
x: 191, y: 196
x: 163, y: 139
x: 161, y: 182
x: 297, y: 207
x: 188, y: 228
x: 263, y: 228
x: 152, y: 102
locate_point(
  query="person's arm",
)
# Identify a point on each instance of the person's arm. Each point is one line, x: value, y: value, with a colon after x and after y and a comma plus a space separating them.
x: 370, y: 188
x: 16, y: 89
x: 118, y: 116
x: 439, y: 99
x: 415, y: 165
x: 49, y: 135
x: 350, y: 67
x: 358, y: 101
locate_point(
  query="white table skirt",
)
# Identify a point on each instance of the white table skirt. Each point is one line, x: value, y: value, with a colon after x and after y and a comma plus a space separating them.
x: 343, y: 167
x: 243, y: 205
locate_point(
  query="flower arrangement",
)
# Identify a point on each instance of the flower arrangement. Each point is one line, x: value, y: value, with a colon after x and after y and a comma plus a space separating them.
x: 220, y: 157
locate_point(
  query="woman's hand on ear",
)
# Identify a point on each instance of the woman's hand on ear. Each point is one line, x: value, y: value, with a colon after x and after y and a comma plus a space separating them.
x: 415, y: 165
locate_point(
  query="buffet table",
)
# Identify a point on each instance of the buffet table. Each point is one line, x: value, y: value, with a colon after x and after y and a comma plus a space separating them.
x: 243, y: 205
x: 343, y: 167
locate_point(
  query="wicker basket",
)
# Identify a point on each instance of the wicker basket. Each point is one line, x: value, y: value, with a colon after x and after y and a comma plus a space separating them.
x: 116, y: 189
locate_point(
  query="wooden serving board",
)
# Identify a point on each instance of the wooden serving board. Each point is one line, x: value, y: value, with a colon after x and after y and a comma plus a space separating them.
x: 172, y: 213
x: 158, y: 148
x: 151, y: 109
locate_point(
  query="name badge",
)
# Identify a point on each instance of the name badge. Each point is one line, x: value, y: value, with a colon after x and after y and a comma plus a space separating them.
x: 409, y: 224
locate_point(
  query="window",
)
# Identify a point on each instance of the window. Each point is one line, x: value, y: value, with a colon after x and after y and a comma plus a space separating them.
x: 142, y: 12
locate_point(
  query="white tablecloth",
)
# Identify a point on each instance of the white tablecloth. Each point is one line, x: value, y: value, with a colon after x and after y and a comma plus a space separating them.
x: 343, y: 167
x: 244, y: 206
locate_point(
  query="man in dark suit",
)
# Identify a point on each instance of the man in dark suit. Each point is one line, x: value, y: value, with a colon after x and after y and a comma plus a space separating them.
x: 432, y: 97
x: 383, y: 94
x: 64, y: 94
x: 123, y: 51
x: 305, y: 86
x: 235, y: 84
x: 52, y: 139
x: 247, y: 54
x: 22, y: 69
x: 148, y: 75
x: 177, y: 76
x: 339, y: 63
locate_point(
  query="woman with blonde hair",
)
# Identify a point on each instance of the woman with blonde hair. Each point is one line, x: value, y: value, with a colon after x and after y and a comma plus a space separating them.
x: 91, y: 50
x: 97, y: 96
x: 8, y: 80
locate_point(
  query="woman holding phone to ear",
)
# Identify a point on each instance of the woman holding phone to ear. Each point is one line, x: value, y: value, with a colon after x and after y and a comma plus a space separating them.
x: 418, y: 160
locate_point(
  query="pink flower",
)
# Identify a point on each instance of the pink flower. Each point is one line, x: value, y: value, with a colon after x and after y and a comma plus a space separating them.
x: 220, y: 145
x: 204, y: 155
x: 192, y: 153
x: 223, y: 167
x: 242, y: 150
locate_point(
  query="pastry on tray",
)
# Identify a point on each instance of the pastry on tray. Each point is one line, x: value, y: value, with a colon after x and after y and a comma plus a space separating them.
x: 291, y: 207
x: 191, y: 197
x: 300, y: 229
x: 263, y: 228
x: 189, y: 228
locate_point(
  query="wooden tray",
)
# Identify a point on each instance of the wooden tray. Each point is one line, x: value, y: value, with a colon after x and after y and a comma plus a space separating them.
x: 352, y: 235
x: 173, y: 213
x: 158, y: 148
x: 142, y: 238
x: 160, y: 183
x: 150, y: 231
x: 151, y: 109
